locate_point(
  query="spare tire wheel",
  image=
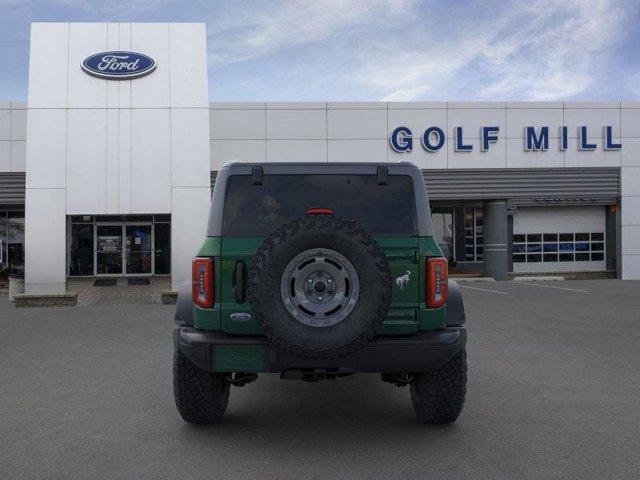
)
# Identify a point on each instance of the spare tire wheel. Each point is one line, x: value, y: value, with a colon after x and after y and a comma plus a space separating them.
x: 320, y: 287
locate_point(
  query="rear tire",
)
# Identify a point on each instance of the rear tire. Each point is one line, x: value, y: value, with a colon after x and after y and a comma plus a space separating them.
x: 438, y: 397
x: 201, y: 397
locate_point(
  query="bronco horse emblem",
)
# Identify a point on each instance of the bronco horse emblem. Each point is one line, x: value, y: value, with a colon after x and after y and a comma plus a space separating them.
x: 402, y: 280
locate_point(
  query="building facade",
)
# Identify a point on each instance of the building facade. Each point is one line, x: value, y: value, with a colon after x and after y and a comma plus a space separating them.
x: 103, y: 176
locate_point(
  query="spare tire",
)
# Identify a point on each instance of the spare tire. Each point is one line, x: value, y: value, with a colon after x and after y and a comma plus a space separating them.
x: 320, y: 287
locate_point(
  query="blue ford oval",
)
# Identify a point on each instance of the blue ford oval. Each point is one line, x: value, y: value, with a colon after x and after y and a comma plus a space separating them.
x: 118, y: 65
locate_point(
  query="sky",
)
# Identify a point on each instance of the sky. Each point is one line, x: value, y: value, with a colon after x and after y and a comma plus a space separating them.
x: 377, y: 50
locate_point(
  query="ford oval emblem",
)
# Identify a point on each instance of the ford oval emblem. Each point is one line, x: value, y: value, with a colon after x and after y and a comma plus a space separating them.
x: 118, y: 65
x: 240, y: 317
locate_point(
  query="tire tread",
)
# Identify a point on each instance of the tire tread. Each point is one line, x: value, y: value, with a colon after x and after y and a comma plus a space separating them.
x: 201, y: 397
x: 438, y: 397
x: 345, y: 227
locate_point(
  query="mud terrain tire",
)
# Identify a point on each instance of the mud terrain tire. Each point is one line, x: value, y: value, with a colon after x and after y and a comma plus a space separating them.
x: 438, y: 397
x: 201, y: 397
x: 335, y: 238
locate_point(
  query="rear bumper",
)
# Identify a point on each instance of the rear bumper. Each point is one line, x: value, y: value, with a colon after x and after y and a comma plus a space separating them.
x: 421, y: 352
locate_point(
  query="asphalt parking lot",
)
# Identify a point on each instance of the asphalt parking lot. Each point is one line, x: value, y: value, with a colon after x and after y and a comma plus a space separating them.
x: 554, y: 392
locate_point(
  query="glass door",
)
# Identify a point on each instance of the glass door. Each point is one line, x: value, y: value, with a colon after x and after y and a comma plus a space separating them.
x: 162, y: 241
x: 109, y: 250
x: 139, y: 249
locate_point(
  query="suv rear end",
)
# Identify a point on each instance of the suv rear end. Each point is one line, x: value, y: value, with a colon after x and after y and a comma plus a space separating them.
x: 224, y: 329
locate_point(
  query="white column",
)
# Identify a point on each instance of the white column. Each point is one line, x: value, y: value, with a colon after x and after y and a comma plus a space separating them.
x: 45, y: 204
x: 98, y: 147
x: 188, y: 225
x: 190, y: 167
x: 630, y: 223
x: 45, y: 241
x: 190, y: 189
x: 630, y: 199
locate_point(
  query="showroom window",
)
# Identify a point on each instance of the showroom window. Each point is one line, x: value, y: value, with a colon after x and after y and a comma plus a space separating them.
x: 115, y: 245
x: 473, y: 239
x: 558, y: 247
x: 81, y: 250
x: 443, y: 228
x: 11, y: 242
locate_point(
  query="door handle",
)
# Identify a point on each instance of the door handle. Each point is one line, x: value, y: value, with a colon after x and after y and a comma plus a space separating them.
x: 240, y: 274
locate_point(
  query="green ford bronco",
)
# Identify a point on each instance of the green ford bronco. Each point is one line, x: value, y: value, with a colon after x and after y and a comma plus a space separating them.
x: 318, y: 271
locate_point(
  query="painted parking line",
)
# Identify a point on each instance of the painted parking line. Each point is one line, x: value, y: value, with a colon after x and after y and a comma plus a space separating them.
x: 552, y: 286
x: 483, y: 289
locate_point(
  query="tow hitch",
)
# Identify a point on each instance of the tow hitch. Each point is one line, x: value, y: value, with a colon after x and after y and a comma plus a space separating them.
x: 313, y: 375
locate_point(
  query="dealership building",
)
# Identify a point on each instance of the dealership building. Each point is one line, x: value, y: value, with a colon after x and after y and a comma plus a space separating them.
x: 107, y: 168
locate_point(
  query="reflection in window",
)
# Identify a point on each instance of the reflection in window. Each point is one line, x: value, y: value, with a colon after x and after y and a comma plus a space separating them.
x: 163, y: 248
x: 558, y: 247
x: 11, y: 242
x: 97, y: 248
x: 380, y: 209
x: 443, y: 230
x: 473, y: 234
x: 81, y: 249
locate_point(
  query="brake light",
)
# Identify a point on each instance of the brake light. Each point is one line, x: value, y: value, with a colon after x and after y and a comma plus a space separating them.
x: 437, y: 282
x: 320, y: 211
x: 202, y: 282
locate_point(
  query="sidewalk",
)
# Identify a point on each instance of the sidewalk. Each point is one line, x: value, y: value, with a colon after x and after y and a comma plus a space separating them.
x: 121, y: 293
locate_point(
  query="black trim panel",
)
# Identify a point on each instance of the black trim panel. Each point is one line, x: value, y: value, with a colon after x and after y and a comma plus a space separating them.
x: 421, y: 352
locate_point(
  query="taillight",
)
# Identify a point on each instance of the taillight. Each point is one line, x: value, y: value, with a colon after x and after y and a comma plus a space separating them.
x: 202, y: 282
x: 437, y: 282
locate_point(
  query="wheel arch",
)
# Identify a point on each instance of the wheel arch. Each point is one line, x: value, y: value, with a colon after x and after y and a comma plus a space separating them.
x: 455, y: 306
x: 184, y: 305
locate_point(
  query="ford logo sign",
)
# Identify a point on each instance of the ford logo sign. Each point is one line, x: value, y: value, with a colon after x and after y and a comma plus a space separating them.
x: 240, y: 317
x: 118, y: 65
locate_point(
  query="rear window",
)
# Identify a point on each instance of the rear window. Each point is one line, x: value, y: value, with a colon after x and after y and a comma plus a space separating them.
x: 259, y: 209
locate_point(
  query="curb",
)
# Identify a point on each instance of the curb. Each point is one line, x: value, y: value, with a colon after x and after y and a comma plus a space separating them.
x: 474, y: 280
x: 538, y: 279
x: 23, y: 300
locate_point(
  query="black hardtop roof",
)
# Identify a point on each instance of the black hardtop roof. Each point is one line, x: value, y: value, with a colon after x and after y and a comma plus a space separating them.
x: 320, y: 167
x: 382, y: 164
x: 425, y: 227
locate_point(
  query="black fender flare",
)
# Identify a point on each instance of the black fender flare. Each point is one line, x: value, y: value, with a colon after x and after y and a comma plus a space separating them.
x: 184, y: 305
x: 455, y: 306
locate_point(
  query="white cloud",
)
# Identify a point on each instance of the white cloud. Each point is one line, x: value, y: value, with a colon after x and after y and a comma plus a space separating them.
x: 106, y: 7
x: 546, y: 51
x: 395, y: 49
x: 406, y: 50
x: 562, y: 55
x: 248, y: 33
